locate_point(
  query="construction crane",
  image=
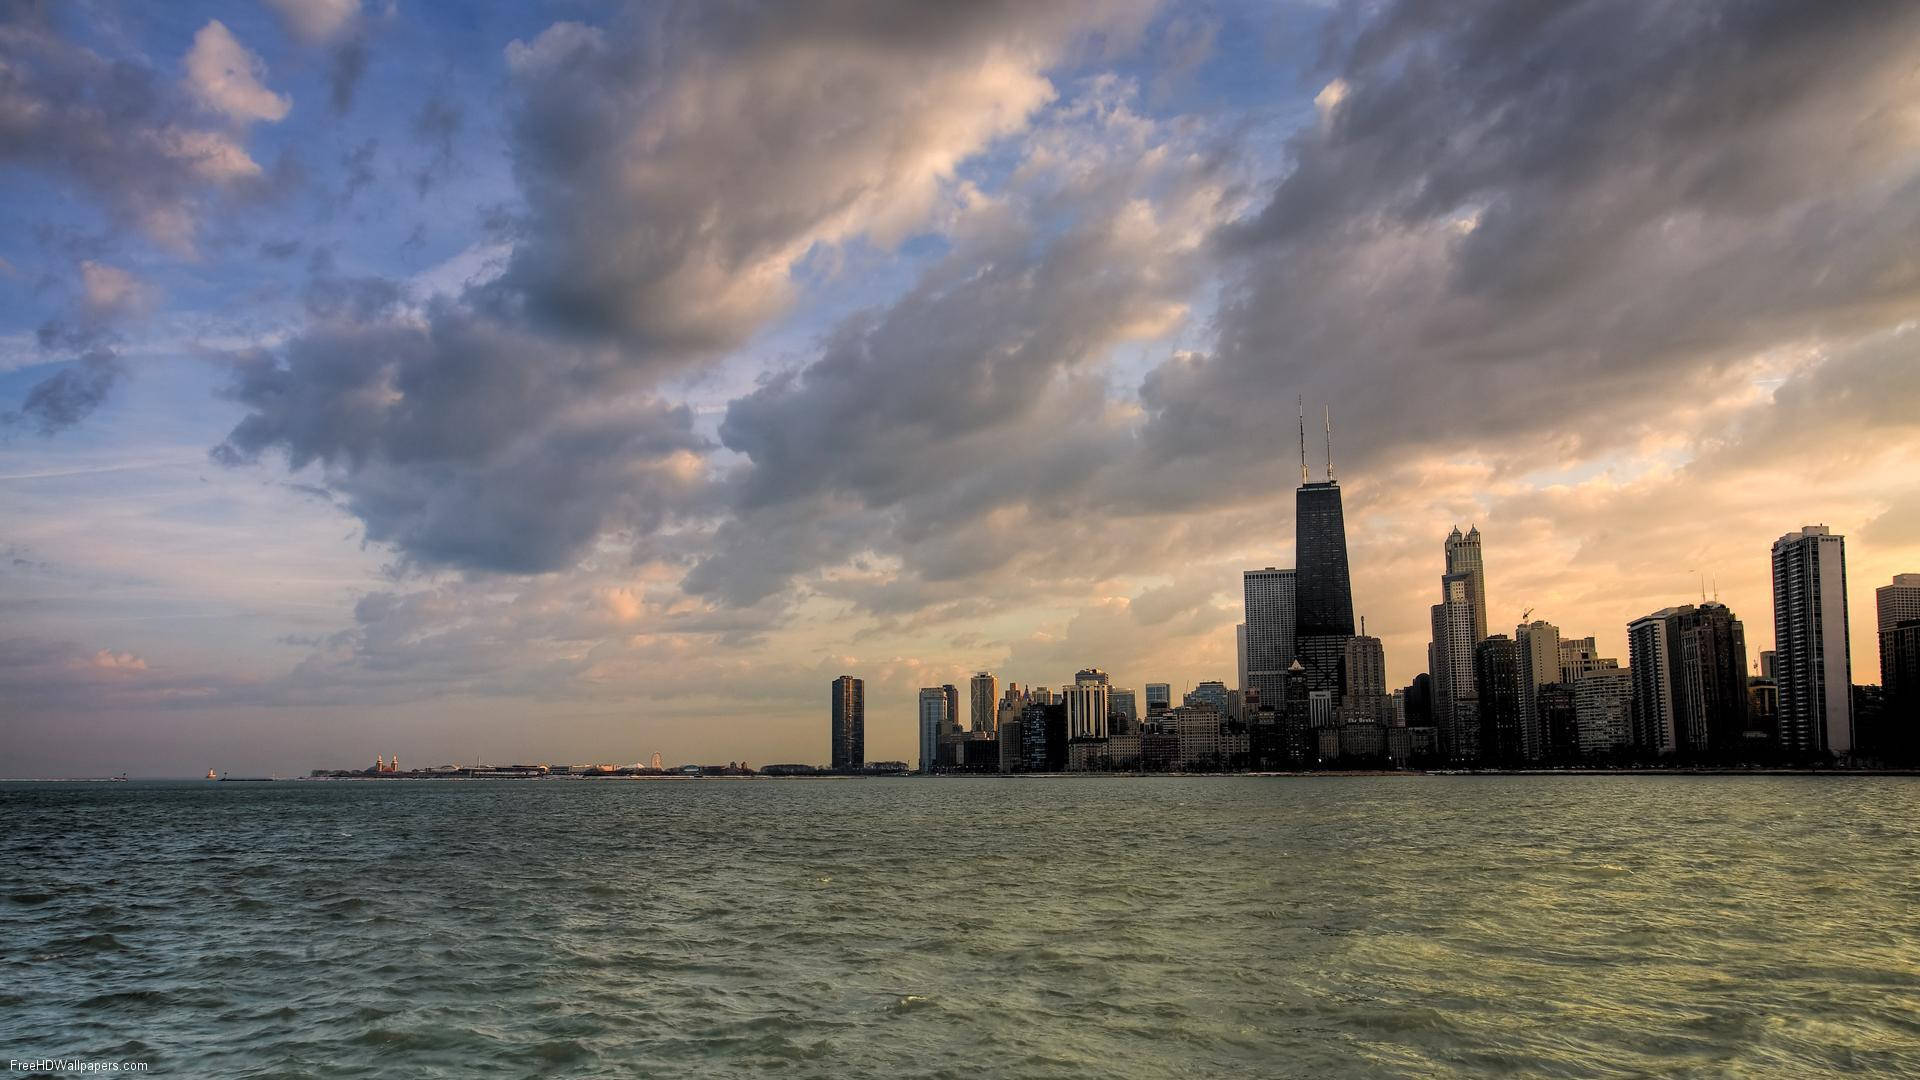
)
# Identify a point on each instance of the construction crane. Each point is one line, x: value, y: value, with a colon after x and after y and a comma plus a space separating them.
x: 1526, y: 616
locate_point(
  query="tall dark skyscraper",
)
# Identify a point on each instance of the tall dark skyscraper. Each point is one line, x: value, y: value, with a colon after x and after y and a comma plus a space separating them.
x: 1496, y: 670
x: 1322, y: 591
x: 849, y: 722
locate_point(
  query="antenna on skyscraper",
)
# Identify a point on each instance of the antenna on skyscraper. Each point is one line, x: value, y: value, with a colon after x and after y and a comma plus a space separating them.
x: 1329, y: 409
x: 1303, y: 439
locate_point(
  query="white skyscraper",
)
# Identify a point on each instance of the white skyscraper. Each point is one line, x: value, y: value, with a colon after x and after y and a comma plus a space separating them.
x: 1813, y: 662
x: 1087, y: 705
x: 1650, y: 658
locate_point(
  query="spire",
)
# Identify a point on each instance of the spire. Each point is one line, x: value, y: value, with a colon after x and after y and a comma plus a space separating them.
x: 1303, y: 439
x: 1329, y: 409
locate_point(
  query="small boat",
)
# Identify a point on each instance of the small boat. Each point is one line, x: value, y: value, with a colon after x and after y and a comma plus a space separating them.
x: 211, y: 775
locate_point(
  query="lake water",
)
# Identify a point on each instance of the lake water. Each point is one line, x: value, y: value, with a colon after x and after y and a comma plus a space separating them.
x: 1100, y: 927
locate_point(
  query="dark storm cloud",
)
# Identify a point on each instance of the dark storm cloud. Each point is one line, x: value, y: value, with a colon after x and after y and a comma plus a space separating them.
x: 1516, y: 219
x: 463, y: 441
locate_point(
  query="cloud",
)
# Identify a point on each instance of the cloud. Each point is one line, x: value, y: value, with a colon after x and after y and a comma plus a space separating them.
x: 226, y: 77
x: 109, y: 290
x: 462, y: 440
x: 515, y: 426
x: 316, y: 21
x: 677, y: 166
x: 69, y: 395
x: 135, y: 142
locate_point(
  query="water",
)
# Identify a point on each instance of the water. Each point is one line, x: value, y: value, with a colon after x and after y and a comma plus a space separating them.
x: 1100, y: 927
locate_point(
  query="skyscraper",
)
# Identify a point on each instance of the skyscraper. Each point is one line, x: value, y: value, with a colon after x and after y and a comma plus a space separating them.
x: 1159, y: 698
x: 1690, y: 682
x: 1240, y: 650
x: 1122, y: 703
x: 1211, y: 694
x: 953, y: 709
x: 986, y: 702
x: 1323, y: 595
x: 1900, y: 678
x: 1539, y: 645
x: 1365, y: 701
x: 1894, y: 604
x: 1463, y: 557
x: 1322, y: 589
x: 849, y: 723
x: 1602, y: 710
x: 1269, y: 597
x: 1813, y: 662
x: 1713, y: 667
x: 1496, y: 670
x: 1450, y: 656
x: 1650, y: 658
x: 933, y: 724
x: 1086, y: 702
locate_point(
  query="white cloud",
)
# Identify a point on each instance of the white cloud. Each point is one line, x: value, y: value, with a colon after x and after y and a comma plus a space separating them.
x: 226, y: 77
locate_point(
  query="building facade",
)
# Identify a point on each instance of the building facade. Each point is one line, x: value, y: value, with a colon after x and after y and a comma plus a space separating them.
x: 1496, y: 669
x: 985, y: 691
x: 1269, y: 603
x: 1086, y: 703
x: 849, y: 722
x: 933, y: 724
x: 1813, y: 666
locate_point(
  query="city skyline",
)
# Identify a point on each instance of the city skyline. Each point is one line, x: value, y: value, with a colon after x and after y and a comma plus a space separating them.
x: 360, y: 385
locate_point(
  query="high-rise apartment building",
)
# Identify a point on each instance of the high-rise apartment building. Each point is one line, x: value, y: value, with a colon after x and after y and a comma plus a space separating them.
x: 985, y: 687
x: 933, y: 724
x: 1538, y: 643
x: 849, y: 722
x: 1086, y: 703
x: 1240, y: 651
x: 1713, y: 689
x: 1269, y: 598
x: 1813, y: 665
x: 1894, y: 604
x: 1649, y: 657
x: 1366, y: 700
x: 1690, y: 682
x: 1602, y: 710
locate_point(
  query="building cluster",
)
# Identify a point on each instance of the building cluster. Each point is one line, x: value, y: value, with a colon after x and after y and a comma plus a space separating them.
x: 1312, y: 687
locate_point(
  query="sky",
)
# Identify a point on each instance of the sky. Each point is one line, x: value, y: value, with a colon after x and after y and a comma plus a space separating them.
x: 562, y: 381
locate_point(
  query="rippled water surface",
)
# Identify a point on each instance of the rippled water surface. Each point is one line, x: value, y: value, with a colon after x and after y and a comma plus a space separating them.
x: 1111, y: 927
